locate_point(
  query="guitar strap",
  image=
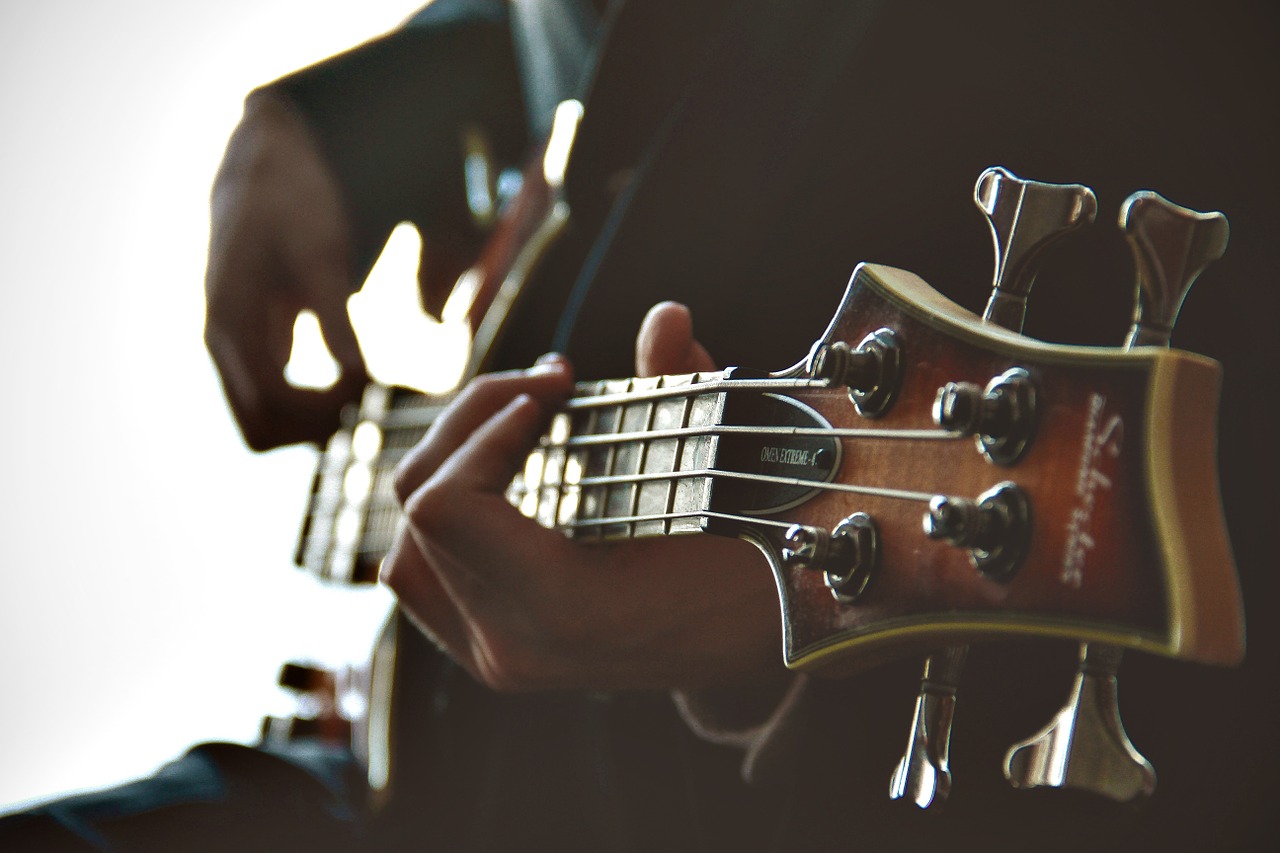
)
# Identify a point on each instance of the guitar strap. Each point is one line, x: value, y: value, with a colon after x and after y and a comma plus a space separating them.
x: 555, y: 45
x: 723, y: 37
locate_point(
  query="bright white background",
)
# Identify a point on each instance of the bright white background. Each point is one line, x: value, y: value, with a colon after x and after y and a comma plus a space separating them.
x: 147, y: 596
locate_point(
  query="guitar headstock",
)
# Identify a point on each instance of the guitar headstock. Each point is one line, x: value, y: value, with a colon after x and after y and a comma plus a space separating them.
x: 927, y: 477
x: 1014, y: 487
x: 980, y: 484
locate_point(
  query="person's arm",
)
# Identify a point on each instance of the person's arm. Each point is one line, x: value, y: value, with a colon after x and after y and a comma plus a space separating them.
x: 324, y: 163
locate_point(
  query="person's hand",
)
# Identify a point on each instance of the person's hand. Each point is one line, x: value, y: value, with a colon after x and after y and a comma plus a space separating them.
x: 280, y: 243
x: 522, y: 607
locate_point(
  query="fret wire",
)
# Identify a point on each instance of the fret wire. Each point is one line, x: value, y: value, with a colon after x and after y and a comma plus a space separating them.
x: 593, y: 424
x: 737, y: 429
x: 686, y: 407
x: 613, y: 454
x: 710, y: 386
x: 643, y: 456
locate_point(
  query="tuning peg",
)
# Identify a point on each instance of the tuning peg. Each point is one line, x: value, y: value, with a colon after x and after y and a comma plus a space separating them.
x: 1085, y: 746
x: 923, y: 776
x: 1171, y: 246
x: 1025, y: 217
x: 318, y: 715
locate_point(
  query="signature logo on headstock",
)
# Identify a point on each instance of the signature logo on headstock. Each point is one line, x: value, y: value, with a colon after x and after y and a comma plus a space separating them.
x: 1103, y: 437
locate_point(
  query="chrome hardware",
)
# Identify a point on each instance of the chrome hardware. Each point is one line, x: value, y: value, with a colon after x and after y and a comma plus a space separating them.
x: 856, y: 554
x: 1085, y: 746
x: 804, y: 547
x: 319, y: 694
x: 846, y: 556
x: 1002, y: 416
x: 923, y: 776
x: 996, y: 528
x: 1025, y: 217
x: 1171, y: 246
x: 872, y: 371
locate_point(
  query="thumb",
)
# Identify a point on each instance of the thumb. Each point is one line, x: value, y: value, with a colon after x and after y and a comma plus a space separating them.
x: 340, y: 335
x: 665, y: 343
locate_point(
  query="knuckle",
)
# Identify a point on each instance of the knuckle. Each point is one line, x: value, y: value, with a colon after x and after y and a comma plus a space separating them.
x: 426, y: 506
x: 510, y: 668
x: 403, y: 481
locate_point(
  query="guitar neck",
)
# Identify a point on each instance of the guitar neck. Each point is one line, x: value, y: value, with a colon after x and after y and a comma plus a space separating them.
x: 353, y: 516
x: 625, y: 458
x: 668, y: 455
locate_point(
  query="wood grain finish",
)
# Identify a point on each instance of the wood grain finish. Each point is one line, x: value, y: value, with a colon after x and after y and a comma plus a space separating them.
x: 1127, y: 542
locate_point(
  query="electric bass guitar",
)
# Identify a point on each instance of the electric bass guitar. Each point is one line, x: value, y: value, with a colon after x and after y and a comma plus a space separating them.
x: 925, y: 478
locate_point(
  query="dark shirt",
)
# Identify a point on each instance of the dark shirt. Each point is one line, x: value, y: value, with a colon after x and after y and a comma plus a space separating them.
x: 743, y: 157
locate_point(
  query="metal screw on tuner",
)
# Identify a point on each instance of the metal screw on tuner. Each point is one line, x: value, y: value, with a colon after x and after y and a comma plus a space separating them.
x: 995, y: 528
x: 847, y: 556
x: 1002, y: 416
x: 872, y: 371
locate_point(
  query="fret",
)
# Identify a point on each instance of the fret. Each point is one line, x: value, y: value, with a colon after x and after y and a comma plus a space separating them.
x: 532, y: 482
x: 630, y: 484
x: 553, y: 472
x: 617, y: 498
x: 316, y: 541
x: 353, y: 515
x: 593, y: 461
x: 638, y: 417
x: 653, y: 497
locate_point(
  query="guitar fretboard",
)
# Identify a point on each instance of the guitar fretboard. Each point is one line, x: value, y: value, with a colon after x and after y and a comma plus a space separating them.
x: 620, y: 462
x: 353, y: 516
x: 624, y: 458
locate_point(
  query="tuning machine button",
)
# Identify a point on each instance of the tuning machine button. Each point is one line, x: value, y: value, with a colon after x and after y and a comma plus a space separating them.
x: 1026, y: 217
x: 1085, y: 745
x: 872, y: 371
x: 996, y: 528
x: 1171, y: 246
x: 923, y: 775
x: 847, y: 556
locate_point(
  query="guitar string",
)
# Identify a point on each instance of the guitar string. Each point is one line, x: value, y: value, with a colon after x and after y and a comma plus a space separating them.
x: 623, y: 479
x: 421, y: 416
x: 606, y: 521
x: 719, y: 473
x: 392, y: 456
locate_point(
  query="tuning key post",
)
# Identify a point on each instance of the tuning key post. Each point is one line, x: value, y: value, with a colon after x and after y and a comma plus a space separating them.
x: 1002, y: 416
x: 847, y: 556
x: 995, y: 528
x: 872, y: 371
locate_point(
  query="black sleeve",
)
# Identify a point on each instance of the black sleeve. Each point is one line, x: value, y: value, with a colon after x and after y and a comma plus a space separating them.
x: 389, y: 115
